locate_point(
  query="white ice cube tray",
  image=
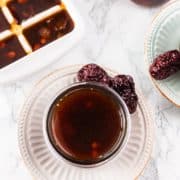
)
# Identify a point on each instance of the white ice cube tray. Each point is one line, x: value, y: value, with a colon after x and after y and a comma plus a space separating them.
x: 41, y: 58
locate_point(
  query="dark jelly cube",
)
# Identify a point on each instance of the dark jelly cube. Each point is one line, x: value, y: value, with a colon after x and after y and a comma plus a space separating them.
x: 49, y: 29
x: 24, y: 9
x: 10, y: 51
x: 4, y: 25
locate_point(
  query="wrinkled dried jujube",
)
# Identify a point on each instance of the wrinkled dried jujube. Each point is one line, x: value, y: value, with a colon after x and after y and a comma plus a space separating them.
x: 93, y: 72
x: 125, y: 87
x: 121, y: 82
x: 165, y: 65
x: 130, y: 98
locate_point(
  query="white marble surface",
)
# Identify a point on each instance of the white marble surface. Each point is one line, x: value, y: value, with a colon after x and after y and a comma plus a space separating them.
x: 115, y: 38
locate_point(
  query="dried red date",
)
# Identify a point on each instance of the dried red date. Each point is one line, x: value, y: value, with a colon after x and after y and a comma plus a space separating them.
x: 11, y: 54
x: 121, y: 82
x: 165, y: 65
x: 93, y: 72
x: 124, y: 85
x: 44, y: 32
x: 130, y: 98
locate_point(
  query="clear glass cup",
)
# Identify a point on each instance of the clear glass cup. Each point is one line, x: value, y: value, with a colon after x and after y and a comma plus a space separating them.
x: 116, y: 149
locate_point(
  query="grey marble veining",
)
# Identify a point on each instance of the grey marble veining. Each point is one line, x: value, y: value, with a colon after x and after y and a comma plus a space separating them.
x: 115, y: 33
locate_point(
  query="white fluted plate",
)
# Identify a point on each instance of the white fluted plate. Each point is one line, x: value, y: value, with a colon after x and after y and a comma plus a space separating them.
x: 164, y: 36
x: 42, y: 163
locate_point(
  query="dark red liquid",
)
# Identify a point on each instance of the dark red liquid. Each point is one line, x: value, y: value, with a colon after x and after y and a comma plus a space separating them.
x: 150, y: 2
x: 49, y: 29
x: 38, y: 35
x: 84, y: 125
x: 10, y: 51
x: 24, y: 9
x: 4, y: 25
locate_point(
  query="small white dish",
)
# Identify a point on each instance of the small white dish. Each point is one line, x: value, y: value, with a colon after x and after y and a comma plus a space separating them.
x: 44, y: 164
x: 164, y: 36
x: 46, y: 55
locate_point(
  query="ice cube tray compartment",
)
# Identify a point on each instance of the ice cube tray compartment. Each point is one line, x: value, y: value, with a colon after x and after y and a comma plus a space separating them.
x: 4, y: 25
x: 10, y: 51
x: 24, y: 9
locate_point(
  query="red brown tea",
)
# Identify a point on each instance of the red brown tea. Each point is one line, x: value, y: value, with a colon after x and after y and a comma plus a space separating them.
x: 85, y: 124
